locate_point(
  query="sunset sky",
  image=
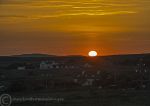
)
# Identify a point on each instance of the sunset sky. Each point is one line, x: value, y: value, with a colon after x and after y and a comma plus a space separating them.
x: 74, y: 27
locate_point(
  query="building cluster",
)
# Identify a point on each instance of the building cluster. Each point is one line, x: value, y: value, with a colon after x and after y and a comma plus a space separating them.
x: 44, y: 65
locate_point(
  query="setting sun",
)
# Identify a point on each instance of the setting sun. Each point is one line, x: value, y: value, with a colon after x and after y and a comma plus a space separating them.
x: 92, y: 53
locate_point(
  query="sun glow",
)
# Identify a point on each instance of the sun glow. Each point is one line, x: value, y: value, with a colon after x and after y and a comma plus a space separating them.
x: 92, y: 53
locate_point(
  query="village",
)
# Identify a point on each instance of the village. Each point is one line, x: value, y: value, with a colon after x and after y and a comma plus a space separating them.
x: 52, y: 74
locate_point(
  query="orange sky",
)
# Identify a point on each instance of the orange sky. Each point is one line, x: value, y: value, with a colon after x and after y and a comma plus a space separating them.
x: 74, y: 27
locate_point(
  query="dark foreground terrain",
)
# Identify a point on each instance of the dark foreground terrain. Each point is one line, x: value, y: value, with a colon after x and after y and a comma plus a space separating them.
x: 43, y: 80
x: 88, y: 97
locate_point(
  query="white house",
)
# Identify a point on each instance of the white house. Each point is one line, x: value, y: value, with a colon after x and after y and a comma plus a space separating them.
x: 21, y: 68
x: 46, y: 65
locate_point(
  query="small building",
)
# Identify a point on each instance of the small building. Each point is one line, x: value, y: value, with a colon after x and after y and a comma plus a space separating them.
x: 21, y: 68
x: 44, y: 65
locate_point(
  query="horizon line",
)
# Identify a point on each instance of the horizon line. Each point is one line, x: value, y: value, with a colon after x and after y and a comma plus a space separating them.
x: 53, y: 55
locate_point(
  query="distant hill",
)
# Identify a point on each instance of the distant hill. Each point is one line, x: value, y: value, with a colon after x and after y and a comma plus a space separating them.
x: 33, y: 55
x: 38, y: 55
x: 119, y: 60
